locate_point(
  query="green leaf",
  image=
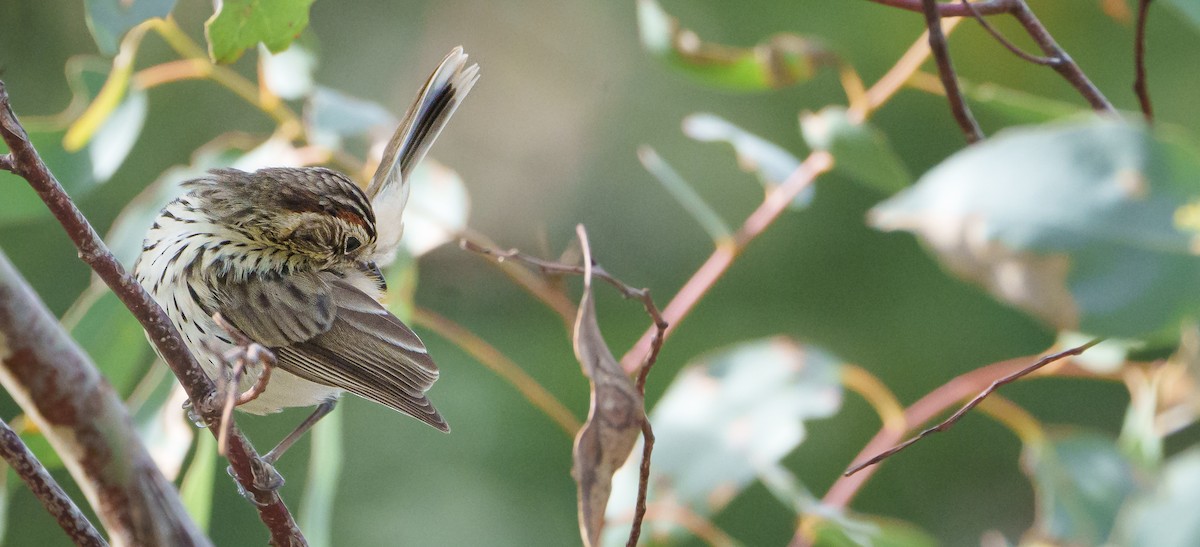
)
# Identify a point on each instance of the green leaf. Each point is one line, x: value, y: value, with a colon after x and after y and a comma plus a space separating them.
x: 109, y: 20
x: 725, y: 420
x: 324, y: 474
x: 1165, y: 515
x: 196, y: 491
x: 1081, y: 481
x: 1019, y: 106
x: 1091, y: 226
x: 860, y: 151
x: 242, y: 24
x: 769, y: 161
x: 781, y: 61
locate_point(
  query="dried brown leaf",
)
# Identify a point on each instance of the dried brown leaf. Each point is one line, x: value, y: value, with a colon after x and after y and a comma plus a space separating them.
x: 614, y: 418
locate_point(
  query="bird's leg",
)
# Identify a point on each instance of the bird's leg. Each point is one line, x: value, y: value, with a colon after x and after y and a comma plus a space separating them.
x: 268, y: 478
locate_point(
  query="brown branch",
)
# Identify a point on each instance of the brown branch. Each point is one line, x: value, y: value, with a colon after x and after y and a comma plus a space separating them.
x: 954, y: 418
x: 1061, y: 62
x: 718, y: 262
x: 639, y: 508
x: 92, y: 250
x: 941, y: 54
x: 47, y: 490
x: 1139, y: 61
x: 61, y: 391
x: 1067, y: 67
x: 999, y: 37
x: 989, y: 7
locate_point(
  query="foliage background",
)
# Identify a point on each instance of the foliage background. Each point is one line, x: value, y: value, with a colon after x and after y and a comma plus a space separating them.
x: 547, y: 140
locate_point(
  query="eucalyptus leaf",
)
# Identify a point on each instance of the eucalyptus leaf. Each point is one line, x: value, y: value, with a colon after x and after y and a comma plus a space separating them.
x: 1080, y: 481
x: 109, y: 20
x: 769, y: 161
x: 1165, y: 515
x: 860, y: 151
x: 1089, y: 225
x: 242, y: 24
x: 724, y: 421
x: 782, y: 60
x: 114, y: 139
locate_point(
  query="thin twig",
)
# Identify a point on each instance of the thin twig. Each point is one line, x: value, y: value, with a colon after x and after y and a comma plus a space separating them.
x: 534, y: 285
x: 1067, y: 67
x: 901, y: 72
x: 46, y: 489
x: 639, y: 508
x: 1139, y: 61
x: 162, y: 333
x: 499, y: 363
x: 989, y: 7
x: 983, y: 22
x: 953, y: 419
x: 718, y: 262
x: 941, y: 54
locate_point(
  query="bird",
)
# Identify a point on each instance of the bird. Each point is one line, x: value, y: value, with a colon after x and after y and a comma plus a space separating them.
x: 288, y: 258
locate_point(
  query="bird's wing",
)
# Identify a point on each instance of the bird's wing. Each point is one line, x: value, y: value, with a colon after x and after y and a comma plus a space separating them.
x: 326, y: 331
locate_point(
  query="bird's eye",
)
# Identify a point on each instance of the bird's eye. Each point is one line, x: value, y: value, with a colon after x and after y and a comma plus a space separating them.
x: 352, y: 243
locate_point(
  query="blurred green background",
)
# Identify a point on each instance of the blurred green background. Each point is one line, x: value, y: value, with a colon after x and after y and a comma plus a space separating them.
x: 546, y: 140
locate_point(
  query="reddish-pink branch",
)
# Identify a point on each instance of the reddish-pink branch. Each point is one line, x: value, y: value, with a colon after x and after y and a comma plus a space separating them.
x: 706, y: 276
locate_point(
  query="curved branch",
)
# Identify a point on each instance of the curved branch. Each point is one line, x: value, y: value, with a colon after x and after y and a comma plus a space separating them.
x: 27, y: 164
x: 85, y: 421
x: 1139, y: 61
x: 46, y: 489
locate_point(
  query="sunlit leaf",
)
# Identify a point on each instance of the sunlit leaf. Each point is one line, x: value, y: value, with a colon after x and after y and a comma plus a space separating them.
x: 860, y: 151
x: 1165, y: 514
x: 1081, y: 481
x: 725, y: 420
x: 109, y: 20
x: 437, y: 208
x: 289, y: 73
x: 324, y: 475
x: 242, y: 24
x: 614, y: 420
x: 117, y: 135
x: 770, y: 162
x: 110, y: 96
x: 1084, y: 225
x: 196, y: 490
x: 781, y: 61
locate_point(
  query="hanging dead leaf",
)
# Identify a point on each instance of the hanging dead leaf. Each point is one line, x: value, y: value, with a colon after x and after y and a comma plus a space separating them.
x: 614, y: 418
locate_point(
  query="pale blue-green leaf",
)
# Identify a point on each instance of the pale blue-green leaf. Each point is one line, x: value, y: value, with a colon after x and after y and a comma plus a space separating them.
x: 1085, y: 224
x: 324, y: 474
x: 682, y: 191
x: 860, y: 151
x: 289, y: 73
x: 1080, y: 481
x: 116, y: 136
x: 109, y: 20
x: 727, y: 420
x: 769, y: 161
x: 196, y: 490
x: 1165, y: 514
x: 1189, y: 8
x: 331, y: 116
